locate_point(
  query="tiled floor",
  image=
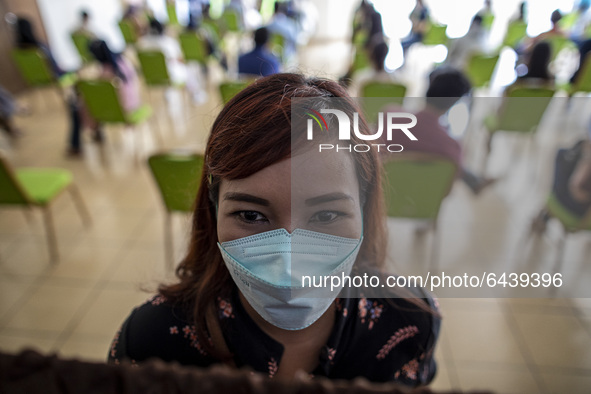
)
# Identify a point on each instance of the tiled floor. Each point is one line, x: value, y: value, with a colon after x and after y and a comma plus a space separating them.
x: 75, y: 307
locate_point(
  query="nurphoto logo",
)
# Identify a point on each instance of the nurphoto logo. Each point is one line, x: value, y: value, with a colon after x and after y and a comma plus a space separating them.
x: 395, y: 122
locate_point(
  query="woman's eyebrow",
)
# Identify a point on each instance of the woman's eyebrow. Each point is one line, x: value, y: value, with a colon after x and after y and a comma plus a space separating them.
x: 243, y: 197
x: 328, y: 198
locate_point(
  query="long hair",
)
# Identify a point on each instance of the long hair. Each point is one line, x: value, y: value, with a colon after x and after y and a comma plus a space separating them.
x: 103, y: 54
x: 25, y: 35
x: 252, y: 132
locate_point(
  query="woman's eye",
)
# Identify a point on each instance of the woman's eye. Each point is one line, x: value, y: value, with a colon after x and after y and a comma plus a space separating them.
x: 325, y: 216
x: 251, y: 216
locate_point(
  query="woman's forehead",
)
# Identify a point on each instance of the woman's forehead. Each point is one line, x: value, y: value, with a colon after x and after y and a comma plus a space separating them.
x: 302, y: 176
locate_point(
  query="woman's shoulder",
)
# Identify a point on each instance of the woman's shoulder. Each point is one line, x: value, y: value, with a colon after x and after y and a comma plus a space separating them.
x: 159, y: 328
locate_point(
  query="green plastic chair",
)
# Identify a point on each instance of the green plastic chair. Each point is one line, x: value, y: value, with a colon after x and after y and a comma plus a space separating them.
x: 177, y: 175
x: 153, y: 65
x: 480, y: 69
x: 193, y: 47
x: 435, y: 34
x: 81, y: 42
x: 33, y: 66
x: 380, y: 95
x: 231, y: 21
x: 173, y: 19
x: 488, y: 19
x: 128, y: 32
x: 516, y: 31
x: 360, y: 60
x: 229, y: 89
x: 558, y: 44
x: 570, y: 225
x: 278, y: 45
x: 518, y: 114
x: 103, y: 103
x: 583, y: 82
x: 37, y: 188
x: 415, y: 186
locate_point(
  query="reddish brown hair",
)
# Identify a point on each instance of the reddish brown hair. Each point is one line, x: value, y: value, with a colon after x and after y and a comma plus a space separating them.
x: 253, y: 131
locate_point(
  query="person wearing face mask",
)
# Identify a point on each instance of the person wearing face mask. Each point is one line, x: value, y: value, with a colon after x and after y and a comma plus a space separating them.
x: 269, y: 211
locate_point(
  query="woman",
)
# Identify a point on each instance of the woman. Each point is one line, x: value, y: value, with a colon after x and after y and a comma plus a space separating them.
x: 112, y: 66
x: 115, y: 65
x: 267, y: 213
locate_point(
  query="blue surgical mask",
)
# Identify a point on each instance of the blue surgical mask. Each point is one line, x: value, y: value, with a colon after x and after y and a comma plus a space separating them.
x: 268, y: 269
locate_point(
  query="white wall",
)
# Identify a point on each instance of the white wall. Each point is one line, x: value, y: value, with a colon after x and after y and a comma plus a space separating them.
x: 60, y: 17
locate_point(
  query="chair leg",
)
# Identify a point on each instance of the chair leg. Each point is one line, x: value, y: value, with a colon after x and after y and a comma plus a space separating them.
x: 50, y: 232
x: 560, y: 252
x: 168, y: 247
x: 484, y: 164
x: 435, y: 249
x: 80, y: 205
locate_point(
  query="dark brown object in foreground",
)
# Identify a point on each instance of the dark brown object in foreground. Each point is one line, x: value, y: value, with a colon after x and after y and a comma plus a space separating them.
x: 31, y: 372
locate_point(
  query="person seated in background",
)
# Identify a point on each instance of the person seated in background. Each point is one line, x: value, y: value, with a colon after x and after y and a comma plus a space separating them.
x: 462, y: 48
x: 419, y: 18
x: 133, y: 14
x: 554, y: 32
x: 84, y: 27
x: 536, y: 70
x: 572, y: 183
x: 260, y: 61
x: 157, y: 40
x: 8, y: 108
x: 26, y: 38
x: 286, y: 27
x: 113, y: 66
x: 578, y: 32
x: 376, y: 73
x: 446, y: 86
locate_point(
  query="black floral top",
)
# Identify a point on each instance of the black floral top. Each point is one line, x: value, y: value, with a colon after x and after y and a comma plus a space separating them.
x: 379, y: 339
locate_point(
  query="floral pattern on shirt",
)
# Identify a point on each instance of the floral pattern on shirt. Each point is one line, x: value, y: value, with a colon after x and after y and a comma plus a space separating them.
x: 225, y: 309
x: 399, y: 336
x: 408, y: 370
x: 369, y: 311
x: 190, y: 333
x: 273, y: 367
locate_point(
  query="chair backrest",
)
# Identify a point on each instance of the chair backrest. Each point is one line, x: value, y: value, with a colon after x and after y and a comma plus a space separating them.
x: 360, y: 60
x: 172, y: 16
x: 81, y: 42
x: 435, y: 35
x: 154, y: 68
x: 380, y: 94
x: 102, y: 100
x: 231, y: 20
x: 33, y: 66
x: 480, y: 69
x: 415, y: 186
x: 11, y: 192
x: 583, y: 82
x: 559, y: 43
x: 229, y: 89
x: 193, y: 47
x: 524, y: 115
x: 516, y: 31
x: 177, y: 175
x: 570, y: 222
x: 128, y: 32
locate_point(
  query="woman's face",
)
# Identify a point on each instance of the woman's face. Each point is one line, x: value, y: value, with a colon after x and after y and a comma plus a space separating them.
x: 312, y: 191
